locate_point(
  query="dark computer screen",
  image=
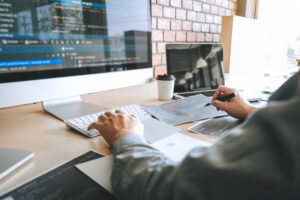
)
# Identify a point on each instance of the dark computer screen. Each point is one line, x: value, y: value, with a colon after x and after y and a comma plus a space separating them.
x: 196, y: 67
x: 57, y: 38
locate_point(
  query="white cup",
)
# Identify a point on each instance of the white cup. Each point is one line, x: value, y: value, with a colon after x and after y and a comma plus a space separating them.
x: 165, y: 86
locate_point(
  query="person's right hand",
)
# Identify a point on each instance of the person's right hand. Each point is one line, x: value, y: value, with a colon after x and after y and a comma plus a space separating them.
x: 114, y: 125
x: 237, y: 106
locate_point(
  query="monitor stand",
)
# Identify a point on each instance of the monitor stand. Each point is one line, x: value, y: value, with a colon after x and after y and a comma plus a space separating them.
x: 69, y: 108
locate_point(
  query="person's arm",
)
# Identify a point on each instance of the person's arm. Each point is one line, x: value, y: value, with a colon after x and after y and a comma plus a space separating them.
x: 237, y: 106
x: 287, y: 90
x: 253, y: 162
x: 140, y: 171
x: 240, y: 108
x: 138, y: 168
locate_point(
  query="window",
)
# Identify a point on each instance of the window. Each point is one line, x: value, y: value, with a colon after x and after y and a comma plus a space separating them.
x: 280, y: 20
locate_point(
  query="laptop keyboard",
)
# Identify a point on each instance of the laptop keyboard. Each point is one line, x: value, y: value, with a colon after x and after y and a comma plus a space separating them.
x: 208, y: 93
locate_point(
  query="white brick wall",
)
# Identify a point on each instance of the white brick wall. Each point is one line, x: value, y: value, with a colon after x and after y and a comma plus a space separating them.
x: 186, y: 21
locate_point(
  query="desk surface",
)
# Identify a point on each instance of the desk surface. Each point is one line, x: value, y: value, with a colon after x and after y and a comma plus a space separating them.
x: 29, y: 127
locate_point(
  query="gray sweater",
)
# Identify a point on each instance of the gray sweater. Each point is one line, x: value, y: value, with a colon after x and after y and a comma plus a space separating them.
x: 260, y: 159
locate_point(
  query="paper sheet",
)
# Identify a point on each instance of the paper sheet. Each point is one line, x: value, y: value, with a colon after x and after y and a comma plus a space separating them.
x: 99, y: 170
x: 175, y: 147
x: 184, y: 110
x: 217, y: 128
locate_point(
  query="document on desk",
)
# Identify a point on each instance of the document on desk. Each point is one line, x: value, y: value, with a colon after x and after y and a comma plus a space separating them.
x: 216, y: 128
x: 175, y: 147
x: 99, y: 170
x: 184, y: 110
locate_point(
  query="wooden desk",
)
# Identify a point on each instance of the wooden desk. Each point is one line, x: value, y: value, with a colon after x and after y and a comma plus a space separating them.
x: 29, y: 127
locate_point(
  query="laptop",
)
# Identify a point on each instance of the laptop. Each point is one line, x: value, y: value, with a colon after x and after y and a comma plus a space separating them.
x: 197, y: 67
x: 11, y: 159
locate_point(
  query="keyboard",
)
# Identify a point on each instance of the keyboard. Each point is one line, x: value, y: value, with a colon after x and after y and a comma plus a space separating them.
x: 251, y: 97
x: 182, y: 95
x: 81, y: 123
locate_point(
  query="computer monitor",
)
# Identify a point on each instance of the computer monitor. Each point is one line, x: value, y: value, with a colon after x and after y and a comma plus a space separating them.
x: 52, y: 49
x: 196, y: 66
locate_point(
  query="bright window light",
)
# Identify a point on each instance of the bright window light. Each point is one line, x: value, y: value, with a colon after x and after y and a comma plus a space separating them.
x: 280, y: 20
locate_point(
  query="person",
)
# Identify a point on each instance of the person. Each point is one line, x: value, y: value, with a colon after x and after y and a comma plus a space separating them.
x: 260, y: 159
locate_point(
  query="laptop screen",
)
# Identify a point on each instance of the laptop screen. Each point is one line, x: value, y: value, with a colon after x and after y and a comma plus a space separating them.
x: 196, y: 67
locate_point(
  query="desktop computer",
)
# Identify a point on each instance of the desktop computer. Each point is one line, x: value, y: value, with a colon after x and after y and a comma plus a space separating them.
x: 52, y: 51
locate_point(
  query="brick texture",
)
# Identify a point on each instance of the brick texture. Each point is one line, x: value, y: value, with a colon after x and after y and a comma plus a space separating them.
x: 186, y: 21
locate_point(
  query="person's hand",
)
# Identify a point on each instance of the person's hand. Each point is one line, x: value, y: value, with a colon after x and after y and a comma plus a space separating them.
x: 237, y: 106
x: 114, y: 125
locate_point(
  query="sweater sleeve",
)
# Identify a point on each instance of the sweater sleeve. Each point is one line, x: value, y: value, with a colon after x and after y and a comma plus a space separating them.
x: 257, y: 160
x: 287, y: 90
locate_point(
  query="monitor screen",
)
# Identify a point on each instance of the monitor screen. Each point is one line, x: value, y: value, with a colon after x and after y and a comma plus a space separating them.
x: 196, y: 67
x: 58, y: 38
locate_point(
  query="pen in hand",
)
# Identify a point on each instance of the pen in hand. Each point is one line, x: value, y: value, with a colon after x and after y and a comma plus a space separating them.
x: 223, y: 98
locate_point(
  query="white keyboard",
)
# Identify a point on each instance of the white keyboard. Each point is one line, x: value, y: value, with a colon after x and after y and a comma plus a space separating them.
x: 81, y: 123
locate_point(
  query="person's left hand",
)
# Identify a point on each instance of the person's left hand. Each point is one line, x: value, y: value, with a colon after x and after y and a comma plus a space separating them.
x: 114, y: 125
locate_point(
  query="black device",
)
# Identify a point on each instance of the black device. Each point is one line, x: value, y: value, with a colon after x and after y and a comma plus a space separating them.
x: 63, y: 182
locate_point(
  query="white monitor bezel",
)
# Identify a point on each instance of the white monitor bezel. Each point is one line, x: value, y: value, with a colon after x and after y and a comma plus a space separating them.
x: 26, y: 92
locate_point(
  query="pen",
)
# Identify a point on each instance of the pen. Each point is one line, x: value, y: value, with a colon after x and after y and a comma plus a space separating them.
x: 223, y: 98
